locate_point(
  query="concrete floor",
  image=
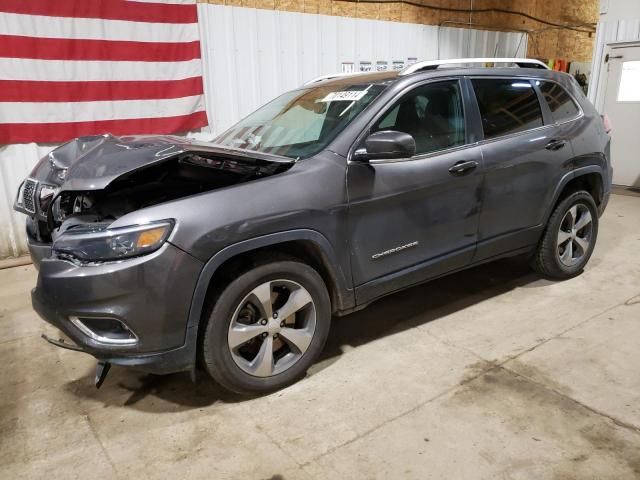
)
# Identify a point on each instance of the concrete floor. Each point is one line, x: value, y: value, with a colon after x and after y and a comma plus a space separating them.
x: 490, y: 373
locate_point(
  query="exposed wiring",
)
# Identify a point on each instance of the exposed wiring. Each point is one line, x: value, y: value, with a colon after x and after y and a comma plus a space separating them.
x: 531, y: 33
x: 585, y: 27
x: 485, y: 26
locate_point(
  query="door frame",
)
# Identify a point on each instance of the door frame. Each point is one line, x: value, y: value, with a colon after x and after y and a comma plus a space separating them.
x: 603, y: 82
x: 612, y: 48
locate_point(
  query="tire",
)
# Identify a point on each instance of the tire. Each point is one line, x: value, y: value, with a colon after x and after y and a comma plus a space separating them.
x: 552, y: 257
x: 240, y: 313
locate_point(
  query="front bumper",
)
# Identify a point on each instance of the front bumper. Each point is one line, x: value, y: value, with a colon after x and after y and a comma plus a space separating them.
x: 150, y: 294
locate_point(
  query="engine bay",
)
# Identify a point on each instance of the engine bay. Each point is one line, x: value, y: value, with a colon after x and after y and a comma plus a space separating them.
x: 184, y: 175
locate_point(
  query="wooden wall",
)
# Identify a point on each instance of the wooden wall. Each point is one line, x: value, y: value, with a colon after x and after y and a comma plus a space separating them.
x: 544, y: 40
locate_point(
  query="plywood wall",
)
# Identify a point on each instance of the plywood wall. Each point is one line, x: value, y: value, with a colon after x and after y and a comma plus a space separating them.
x: 545, y: 41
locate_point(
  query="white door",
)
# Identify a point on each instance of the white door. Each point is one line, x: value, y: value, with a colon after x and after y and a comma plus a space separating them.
x: 622, y: 105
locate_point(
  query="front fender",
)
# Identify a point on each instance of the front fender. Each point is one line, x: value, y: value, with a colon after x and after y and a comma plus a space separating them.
x: 345, y: 295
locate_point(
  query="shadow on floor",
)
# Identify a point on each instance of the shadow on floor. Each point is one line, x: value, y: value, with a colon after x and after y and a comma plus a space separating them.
x: 393, y: 314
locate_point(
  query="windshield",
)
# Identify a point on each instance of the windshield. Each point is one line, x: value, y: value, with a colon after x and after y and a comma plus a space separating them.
x: 301, y: 123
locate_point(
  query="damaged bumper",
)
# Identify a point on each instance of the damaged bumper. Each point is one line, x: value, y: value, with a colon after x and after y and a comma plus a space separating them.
x: 132, y: 312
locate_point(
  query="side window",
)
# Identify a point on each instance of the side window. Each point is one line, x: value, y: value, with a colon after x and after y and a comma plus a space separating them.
x: 432, y: 114
x: 560, y: 102
x: 507, y: 105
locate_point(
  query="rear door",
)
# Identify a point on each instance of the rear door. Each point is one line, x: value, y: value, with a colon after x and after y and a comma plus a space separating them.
x: 413, y: 218
x: 622, y: 105
x: 525, y: 154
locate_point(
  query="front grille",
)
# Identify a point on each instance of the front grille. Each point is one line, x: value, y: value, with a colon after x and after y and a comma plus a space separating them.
x: 29, y: 195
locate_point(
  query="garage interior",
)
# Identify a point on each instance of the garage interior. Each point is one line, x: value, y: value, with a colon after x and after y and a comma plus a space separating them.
x: 494, y: 372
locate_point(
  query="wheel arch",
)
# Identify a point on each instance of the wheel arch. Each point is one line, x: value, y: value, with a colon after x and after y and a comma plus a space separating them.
x: 307, y: 245
x: 589, y: 178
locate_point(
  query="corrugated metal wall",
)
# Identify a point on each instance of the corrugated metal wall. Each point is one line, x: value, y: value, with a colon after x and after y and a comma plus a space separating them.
x: 610, y: 31
x: 251, y: 56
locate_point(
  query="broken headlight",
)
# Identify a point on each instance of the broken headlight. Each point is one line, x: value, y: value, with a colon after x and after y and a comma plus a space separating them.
x: 89, y: 244
x: 45, y: 195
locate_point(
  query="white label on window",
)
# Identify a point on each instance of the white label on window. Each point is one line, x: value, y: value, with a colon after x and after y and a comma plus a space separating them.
x: 347, y: 96
x: 629, y: 90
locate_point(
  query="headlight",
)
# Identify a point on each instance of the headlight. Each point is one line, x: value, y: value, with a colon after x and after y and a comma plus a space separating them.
x: 95, y: 244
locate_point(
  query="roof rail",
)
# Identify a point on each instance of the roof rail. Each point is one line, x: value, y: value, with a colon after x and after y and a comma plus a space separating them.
x: 329, y: 77
x: 434, y: 64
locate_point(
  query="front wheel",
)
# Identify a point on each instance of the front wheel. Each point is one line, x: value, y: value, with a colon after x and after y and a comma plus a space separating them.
x: 267, y: 327
x: 569, y: 239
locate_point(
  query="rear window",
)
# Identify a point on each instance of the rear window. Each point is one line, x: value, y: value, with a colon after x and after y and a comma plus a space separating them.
x: 560, y: 102
x: 507, y: 106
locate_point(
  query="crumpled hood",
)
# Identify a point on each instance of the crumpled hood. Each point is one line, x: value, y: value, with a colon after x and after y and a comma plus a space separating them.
x: 93, y: 162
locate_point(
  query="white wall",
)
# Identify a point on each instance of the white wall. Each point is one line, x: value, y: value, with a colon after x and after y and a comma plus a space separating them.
x: 619, y: 22
x: 619, y: 9
x: 251, y: 56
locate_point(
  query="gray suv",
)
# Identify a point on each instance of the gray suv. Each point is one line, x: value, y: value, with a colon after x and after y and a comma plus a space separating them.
x: 170, y: 255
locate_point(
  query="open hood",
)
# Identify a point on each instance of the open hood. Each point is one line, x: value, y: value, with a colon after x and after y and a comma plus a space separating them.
x: 102, y: 177
x: 92, y: 163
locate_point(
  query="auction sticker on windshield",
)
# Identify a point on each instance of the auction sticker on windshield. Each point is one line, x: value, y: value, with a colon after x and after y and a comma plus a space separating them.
x: 346, y: 96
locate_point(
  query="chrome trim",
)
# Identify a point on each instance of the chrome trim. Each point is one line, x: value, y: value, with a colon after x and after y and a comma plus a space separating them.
x: 375, y: 256
x: 331, y: 76
x: 33, y: 197
x: 99, y: 338
x: 422, y: 156
x: 416, y: 67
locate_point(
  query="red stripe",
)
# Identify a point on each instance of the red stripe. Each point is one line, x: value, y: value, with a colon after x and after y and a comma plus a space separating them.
x: 35, y: 91
x: 15, y: 46
x: 61, y: 132
x: 105, y: 9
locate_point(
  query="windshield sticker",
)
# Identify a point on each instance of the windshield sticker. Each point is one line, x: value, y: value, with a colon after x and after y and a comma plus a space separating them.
x: 347, y: 96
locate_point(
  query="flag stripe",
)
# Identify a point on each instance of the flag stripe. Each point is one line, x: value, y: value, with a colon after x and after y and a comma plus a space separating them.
x: 182, y: 2
x: 104, y: 9
x: 63, y: 112
x: 36, y: 91
x: 96, y: 29
x: 60, y: 132
x: 15, y: 46
x: 70, y: 70
x: 81, y: 67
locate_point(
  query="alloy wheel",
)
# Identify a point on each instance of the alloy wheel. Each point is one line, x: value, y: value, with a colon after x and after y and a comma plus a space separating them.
x: 574, y: 236
x: 272, y: 328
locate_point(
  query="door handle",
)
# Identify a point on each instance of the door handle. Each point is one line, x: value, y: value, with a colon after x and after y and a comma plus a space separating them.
x: 462, y: 167
x: 555, y: 144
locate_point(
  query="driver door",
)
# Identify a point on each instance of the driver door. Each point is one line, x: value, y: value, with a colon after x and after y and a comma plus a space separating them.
x: 415, y: 218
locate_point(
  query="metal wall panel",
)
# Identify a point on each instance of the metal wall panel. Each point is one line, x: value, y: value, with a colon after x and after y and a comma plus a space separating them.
x: 610, y: 31
x: 250, y: 55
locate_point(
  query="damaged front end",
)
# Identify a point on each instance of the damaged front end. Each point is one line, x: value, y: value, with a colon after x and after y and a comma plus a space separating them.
x: 106, y: 287
x: 82, y: 187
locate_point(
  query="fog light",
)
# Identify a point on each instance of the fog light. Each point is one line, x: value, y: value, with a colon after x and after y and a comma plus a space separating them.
x: 105, y: 330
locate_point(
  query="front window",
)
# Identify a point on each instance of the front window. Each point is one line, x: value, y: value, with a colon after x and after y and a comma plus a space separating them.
x: 432, y: 114
x: 301, y: 123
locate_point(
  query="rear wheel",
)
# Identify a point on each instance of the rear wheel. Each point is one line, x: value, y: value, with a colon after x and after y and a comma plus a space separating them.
x: 570, y: 237
x: 267, y: 327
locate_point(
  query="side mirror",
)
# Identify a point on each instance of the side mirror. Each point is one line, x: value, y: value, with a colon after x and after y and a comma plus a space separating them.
x: 385, y: 145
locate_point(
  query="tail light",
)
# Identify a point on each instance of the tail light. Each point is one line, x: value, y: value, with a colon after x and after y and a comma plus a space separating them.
x: 607, y: 123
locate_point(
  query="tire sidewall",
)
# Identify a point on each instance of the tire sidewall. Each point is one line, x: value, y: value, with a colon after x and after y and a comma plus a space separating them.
x: 217, y: 357
x: 577, y: 198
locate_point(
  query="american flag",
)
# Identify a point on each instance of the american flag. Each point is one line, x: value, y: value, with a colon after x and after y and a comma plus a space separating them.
x: 80, y: 67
